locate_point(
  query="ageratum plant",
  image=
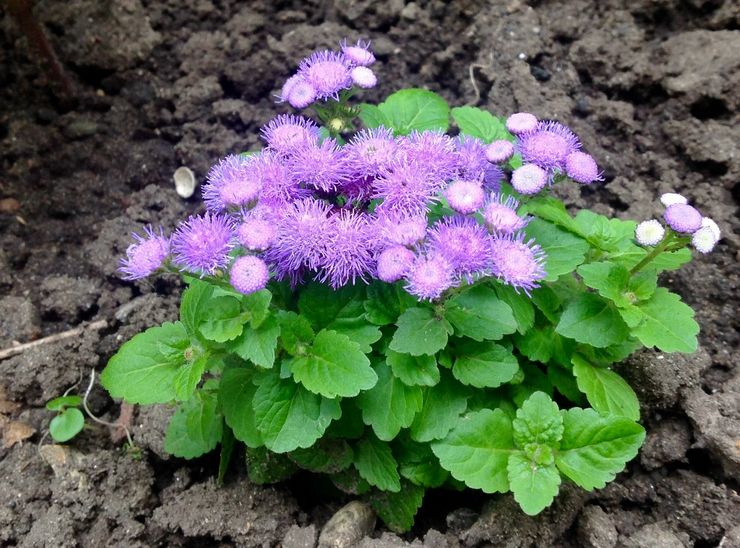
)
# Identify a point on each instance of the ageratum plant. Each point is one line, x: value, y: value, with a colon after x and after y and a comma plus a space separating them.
x: 400, y: 308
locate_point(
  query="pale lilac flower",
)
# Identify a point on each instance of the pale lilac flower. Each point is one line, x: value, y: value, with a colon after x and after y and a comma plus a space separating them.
x: 395, y: 228
x: 465, y: 196
x: 288, y: 132
x: 499, y: 151
x: 501, y: 216
x: 492, y: 177
x: 517, y: 263
x: 434, y: 152
x: 471, y: 157
x: 704, y: 239
x: 202, y: 243
x: 406, y: 188
x: 277, y: 178
x: 528, y: 179
x: 706, y: 222
x: 256, y: 234
x: 430, y: 276
x: 670, y: 198
x: 322, y: 166
x: 521, y: 122
x: 363, y: 77
x: 548, y: 145
x: 463, y: 242
x: 683, y: 218
x: 249, y: 274
x: 146, y: 255
x: 649, y: 233
x: 350, y: 244
x: 394, y: 263
x: 582, y: 168
x: 298, y: 92
x: 328, y: 73
x: 358, y: 54
x: 233, y: 182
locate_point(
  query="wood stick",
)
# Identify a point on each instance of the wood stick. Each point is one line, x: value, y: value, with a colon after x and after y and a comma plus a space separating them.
x: 18, y: 349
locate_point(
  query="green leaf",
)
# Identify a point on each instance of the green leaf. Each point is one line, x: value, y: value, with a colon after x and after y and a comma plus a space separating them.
x: 224, y: 457
x: 397, y: 510
x: 420, y: 332
x: 385, y: 302
x: 258, y: 345
x: 480, y: 124
x: 334, y: 366
x: 521, y: 306
x: 375, y: 463
x: 221, y: 320
x: 390, y: 405
x: 533, y: 380
x: 643, y: 285
x: 606, y: 391
x: 565, y: 383
x: 538, y: 421
x: 265, y: 467
x: 553, y: 210
x: 477, y: 450
x: 595, y: 448
x: 415, y: 109
x: 414, y: 370
x: 288, y: 415
x: 61, y: 402
x: 296, y: 333
x: 609, y: 279
x: 235, y: 394
x: 144, y: 368
x: 195, y: 428
x: 256, y: 307
x: 66, y: 425
x: 441, y: 410
x: 418, y: 464
x: 592, y: 320
x: 484, y: 365
x: 667, y: 323
x: 194, y: 302
x: 372, y: 116
x: 537, y: 344
x: 479, y: 314
x: 188, y: 376
x: 564, y: 250
x: 327, y: 456
x: 534, y: 486
x: 605, y: 233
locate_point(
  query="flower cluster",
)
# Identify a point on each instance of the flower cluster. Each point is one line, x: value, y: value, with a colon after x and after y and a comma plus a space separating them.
x: 682, y: 220
x: 323, y: 74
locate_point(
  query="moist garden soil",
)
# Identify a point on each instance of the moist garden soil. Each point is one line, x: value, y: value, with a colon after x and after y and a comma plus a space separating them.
x: 651, y: 86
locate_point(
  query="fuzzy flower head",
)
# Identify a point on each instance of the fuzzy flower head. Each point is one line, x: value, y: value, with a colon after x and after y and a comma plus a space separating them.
x: 350, y: 246
x: 521, y: 122
x: 298, y: 92
x: 492, y: 177
x: 517, y: 263
x: 649, y: 233
x: 363, y: 77
x: 394, y: 263
x: 548, y: 145
x: 582, y: 168
x: 322, y: 166
x: 429, y: 276
x: 670, y: 198
x: 233, y: 182
x: 256, y: 234
x: 405, y: 188
x: 288, y: 132
x: 327, y: 72
x: 528, y: 179
x: 202, y: 243
x: 434, y: 152
x: 706, y: 222
x: 499, y: 151
x: 463, y: 242
x: 395, y: 228
x: 704, y: 239
x: 278, y: 180
x: 683, y: 218
x: 249, y: 274
x: 465, y: 196
x: 358, y: 54
x: 371, y: 150
x: 146, y: 255
x: 501, y: 216
x: 471, y: 157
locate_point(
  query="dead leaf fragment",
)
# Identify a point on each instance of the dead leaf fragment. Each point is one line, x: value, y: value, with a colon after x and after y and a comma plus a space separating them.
x: 9, y: 205
x: 15, y: 432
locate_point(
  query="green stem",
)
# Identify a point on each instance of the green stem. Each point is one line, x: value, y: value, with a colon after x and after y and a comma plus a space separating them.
x: 660, y: 248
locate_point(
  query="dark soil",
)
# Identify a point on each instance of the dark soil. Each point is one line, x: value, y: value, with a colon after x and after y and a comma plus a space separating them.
x: 650, y: 85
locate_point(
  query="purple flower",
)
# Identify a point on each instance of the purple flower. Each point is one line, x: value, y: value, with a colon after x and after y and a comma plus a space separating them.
x: 146, y: 255
x: 358, y: 54
x: 298, y: 92
x: 287, y: 132
x: 582, y: 168
x: 528, y: 179
x: 371, y: 150
x: 278, y: 181
x: 492, y: 177
x: 363, y: 77
x: 683, y: 218
x: 548, y: 145
x: 499, y: 151
x: 521, y: 122
x: 233, y: 182
x: 323, y: 166
x: 406, y: 188
x: 328, y: 73
x: 249, y: 274
x: 401, y: 229
x: 670, y: 198
x: 430, y: 276
x: 203, y: 242
x: 301, y: 238
x: 350, y: 246
x: 501, y: 217
x: 431, y: 151
x: 463, y: 242
x: 471, y: 157
x: 394, y: 262
x: 649, y: 233
x: 517, y: 263
x: 256, y: 234
x: 465, y: 196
